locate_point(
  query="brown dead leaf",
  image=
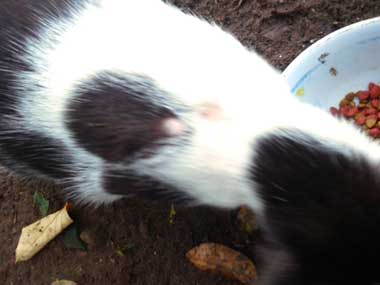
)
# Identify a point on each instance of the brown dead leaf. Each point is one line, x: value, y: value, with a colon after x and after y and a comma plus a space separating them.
x: 217, y: 258
x: 35, y: 236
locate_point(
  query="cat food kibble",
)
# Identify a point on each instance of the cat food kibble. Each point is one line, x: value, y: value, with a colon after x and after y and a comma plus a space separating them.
x: 363, y: 108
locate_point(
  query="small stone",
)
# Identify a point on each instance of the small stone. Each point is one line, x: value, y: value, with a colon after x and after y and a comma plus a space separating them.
x: 87, y: 237
x: 93, y: 237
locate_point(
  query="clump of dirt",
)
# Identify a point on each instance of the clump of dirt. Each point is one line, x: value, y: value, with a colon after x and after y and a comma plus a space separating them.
x: 136, y: 242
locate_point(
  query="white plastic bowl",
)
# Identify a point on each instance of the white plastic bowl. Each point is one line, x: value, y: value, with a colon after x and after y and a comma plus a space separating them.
x: 353, y: 52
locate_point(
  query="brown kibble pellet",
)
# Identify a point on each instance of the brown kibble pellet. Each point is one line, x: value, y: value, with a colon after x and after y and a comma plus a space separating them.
x: 375, y: 103
x: 375, y: 132
x: 334, y: 111
x: 344, y: 103
x: 360, y: 120
x: 350, y: 96
x: 349, y: 112
x: 363, y: 95
x: 371, y: 122
x: 370, y: 111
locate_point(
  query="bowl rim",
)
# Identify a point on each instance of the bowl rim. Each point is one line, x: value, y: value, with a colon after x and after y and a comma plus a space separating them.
x: 309, y: 50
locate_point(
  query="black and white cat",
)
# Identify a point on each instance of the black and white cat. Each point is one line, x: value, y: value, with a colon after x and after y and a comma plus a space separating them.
x: 133, y: 97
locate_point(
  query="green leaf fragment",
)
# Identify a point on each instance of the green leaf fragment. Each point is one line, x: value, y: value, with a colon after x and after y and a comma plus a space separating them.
x: 172, y: 214
x: 41, y: 202
x: 71, y: 239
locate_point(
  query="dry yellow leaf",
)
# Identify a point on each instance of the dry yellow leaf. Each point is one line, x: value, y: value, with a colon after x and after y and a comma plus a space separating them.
x: 63, y: 282
x: 35, y: 236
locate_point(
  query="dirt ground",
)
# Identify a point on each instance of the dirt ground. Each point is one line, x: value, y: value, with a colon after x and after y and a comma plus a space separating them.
x: 154, y: 249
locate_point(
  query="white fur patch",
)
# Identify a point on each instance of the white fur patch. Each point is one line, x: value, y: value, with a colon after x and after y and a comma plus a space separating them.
x: 182, y: 54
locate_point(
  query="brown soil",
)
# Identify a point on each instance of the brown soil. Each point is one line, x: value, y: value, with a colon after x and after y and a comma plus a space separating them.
x: 154, y: 249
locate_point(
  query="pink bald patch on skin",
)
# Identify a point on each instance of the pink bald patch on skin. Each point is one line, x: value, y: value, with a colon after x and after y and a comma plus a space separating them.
x: 211, y: 111
x: 173, y: 127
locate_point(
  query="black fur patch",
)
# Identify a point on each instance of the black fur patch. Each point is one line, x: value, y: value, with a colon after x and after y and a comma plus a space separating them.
x: 21, y: 21
x: 116, y: 116
x: 39, y: 153
x: 322, y: 206
x: 21, y: 149
x: 124, y: 182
